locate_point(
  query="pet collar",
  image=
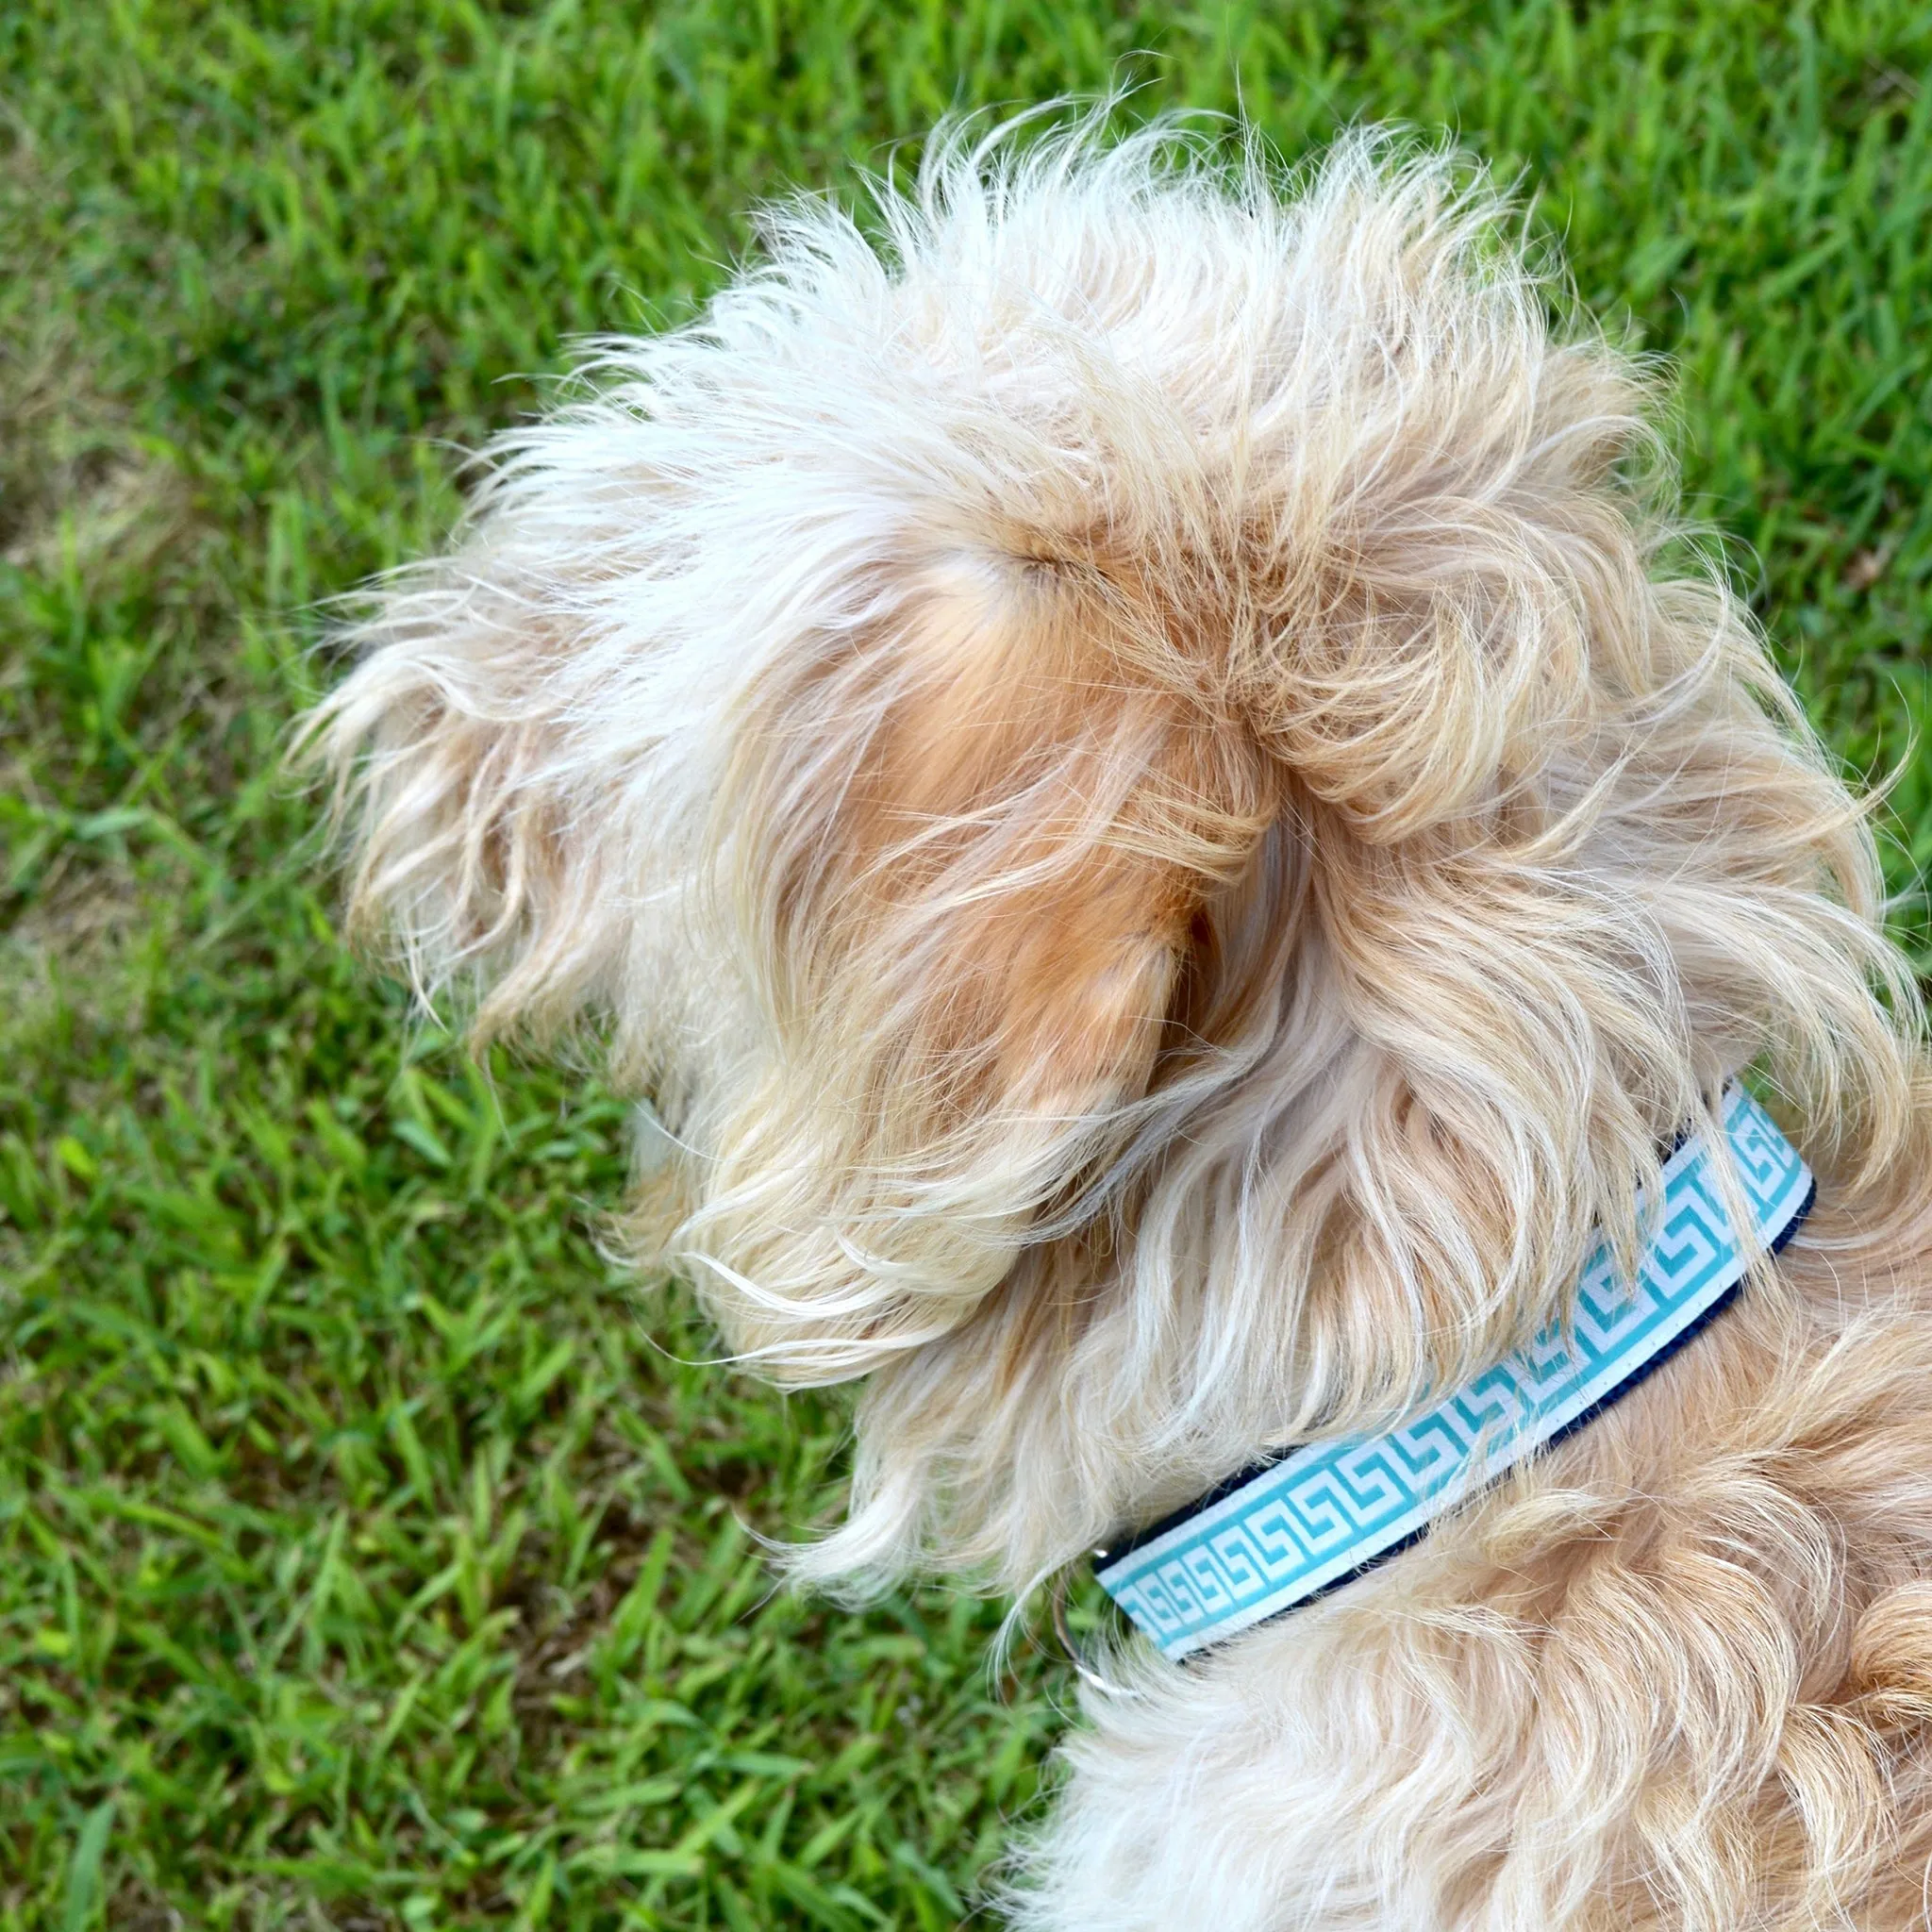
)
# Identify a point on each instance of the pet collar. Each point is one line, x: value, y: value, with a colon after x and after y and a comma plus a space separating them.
x: 1274, y: 1537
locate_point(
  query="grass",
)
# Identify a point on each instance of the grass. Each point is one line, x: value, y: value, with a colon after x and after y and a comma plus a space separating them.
x: 368, y: 1557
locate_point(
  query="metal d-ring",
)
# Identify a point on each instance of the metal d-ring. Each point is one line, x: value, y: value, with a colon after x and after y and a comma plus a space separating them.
x: 1071, y: 1649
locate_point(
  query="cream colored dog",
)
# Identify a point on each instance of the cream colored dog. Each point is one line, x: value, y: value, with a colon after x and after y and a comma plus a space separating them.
x: 1139, y: 772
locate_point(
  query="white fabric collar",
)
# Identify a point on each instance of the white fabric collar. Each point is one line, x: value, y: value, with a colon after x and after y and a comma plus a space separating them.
x: 1274, y: 1538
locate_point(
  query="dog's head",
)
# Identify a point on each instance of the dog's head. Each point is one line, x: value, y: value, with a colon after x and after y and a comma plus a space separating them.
x: 1122, y: 767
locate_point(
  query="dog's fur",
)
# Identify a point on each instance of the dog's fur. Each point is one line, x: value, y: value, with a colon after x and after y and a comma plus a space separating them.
x: 1141, y: 773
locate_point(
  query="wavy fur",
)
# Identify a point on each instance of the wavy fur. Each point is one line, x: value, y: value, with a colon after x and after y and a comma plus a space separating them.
x: 1138, y: 765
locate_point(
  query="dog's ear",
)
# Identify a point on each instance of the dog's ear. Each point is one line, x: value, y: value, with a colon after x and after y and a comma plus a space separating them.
x: 940, y: 877
x: 976, y: 845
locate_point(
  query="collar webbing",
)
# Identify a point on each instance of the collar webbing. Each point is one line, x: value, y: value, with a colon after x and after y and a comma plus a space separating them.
x: 1326, y: 1511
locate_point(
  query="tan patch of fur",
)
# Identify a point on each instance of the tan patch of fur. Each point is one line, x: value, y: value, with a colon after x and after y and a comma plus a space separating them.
x: 1066, y: 930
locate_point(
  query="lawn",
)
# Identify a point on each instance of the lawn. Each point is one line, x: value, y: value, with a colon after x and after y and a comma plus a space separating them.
x: 371, y: 1552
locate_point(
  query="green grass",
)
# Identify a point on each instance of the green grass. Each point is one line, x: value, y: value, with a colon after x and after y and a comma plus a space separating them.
x: 368, y: 1557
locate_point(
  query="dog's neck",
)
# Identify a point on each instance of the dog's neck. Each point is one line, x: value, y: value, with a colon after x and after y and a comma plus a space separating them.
x: 1297, y: 1526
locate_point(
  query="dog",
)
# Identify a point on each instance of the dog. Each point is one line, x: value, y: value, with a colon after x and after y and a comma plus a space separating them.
x: 1134, y: 761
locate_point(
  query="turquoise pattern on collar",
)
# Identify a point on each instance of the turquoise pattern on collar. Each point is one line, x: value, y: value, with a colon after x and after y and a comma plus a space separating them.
x: 1328, y: 1510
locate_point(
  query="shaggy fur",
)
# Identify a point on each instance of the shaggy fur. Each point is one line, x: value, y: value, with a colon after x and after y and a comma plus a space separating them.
x: 1138, y: 771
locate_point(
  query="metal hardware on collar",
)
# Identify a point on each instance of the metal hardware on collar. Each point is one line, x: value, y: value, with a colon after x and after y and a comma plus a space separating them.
x: 1273, y: 1538
x: 1071, y: 1651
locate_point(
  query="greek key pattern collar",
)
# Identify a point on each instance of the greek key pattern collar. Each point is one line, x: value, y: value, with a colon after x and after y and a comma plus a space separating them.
x: 1324, y: 1512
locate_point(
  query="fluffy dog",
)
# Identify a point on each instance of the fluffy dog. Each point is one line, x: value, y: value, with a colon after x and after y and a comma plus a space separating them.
x: 1136, y: 763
